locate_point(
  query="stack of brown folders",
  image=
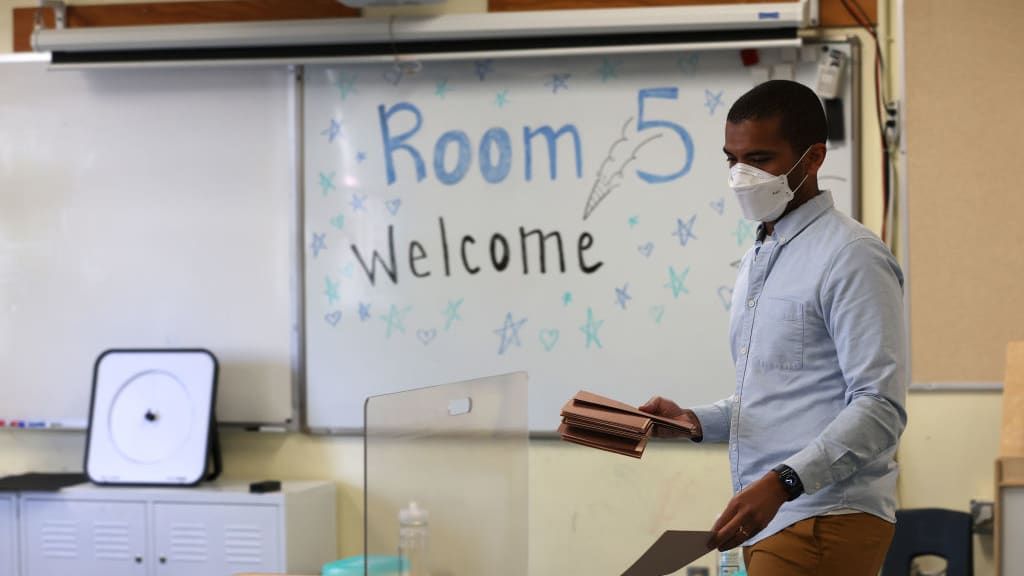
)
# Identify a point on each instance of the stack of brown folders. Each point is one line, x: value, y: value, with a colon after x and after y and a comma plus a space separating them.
x: 603, y: 423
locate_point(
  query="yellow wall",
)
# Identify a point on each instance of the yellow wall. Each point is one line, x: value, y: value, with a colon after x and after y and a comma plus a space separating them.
x: 590, y: 511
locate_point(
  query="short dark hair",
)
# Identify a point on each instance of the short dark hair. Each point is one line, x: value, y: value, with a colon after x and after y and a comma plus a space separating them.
x: 801, y: 117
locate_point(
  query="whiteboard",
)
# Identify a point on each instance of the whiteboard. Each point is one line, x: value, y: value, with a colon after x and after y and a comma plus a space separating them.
x: 144, y: 208
x: 461, y: 163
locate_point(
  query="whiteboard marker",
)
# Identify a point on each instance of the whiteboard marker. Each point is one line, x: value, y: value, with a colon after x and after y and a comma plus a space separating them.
x: 67, y: 424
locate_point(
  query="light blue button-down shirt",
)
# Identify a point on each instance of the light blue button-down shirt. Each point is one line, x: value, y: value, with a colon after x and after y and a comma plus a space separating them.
x: 817, y: 334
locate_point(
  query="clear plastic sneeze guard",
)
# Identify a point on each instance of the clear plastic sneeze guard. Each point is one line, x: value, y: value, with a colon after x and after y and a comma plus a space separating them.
x: 457, y: 456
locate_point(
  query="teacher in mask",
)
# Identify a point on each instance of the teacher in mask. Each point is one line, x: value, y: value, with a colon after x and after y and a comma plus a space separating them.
x: 818, y: 344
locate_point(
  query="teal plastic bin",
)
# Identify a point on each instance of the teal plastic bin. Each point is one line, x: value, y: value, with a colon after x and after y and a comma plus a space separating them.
x: 360, y: 565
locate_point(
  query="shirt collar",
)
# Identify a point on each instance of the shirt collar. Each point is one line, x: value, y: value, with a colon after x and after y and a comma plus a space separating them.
x: 793, y: 223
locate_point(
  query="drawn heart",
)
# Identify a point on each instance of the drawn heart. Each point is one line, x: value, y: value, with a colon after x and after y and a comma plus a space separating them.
x: 426, y: 336
x: 657, y: 312
x: 548, y: 339
x: 725, y: 295
x: 338, y: 221
x: 393, y: 205
x: 333, y: 318
x: 394, y: 76
x: 719, y: 205
x: 646, y: 249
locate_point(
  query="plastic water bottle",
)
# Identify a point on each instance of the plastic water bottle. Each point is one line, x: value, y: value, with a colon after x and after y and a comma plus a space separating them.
x: 730, y: 563
x: 412, y: 540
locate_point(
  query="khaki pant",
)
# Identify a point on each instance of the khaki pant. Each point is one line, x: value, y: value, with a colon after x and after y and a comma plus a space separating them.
x: 844, y: 545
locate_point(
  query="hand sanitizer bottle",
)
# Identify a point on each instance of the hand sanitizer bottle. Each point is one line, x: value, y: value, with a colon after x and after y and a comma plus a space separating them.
x: 412, y: 540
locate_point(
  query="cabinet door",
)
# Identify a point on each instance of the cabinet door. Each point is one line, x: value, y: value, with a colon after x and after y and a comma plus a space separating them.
x: 216, y: 539
x: 83, y: 537
x: 1012, y: 530
x: 8, y: 534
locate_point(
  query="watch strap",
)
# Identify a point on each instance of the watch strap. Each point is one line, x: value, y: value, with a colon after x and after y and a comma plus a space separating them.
x: 790, y: 481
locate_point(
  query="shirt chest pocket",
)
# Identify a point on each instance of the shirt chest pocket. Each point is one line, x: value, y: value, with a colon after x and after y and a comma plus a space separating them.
x: 781, y: 334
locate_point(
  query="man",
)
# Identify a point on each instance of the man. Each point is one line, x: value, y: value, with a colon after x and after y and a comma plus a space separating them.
x: 817, y: 337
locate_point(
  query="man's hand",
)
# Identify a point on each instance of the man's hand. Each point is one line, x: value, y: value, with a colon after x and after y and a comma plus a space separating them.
x: 748, y: 513
x: 664, y: 407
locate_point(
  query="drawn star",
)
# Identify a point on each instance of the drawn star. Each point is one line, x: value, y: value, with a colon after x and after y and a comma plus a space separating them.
x: 633, y: 221
x: 501, y: 99
x: 483, y: 68
x: 558, y: 82
x: 331, y: 290
x: 442, y: 88
x: 338, y: 221
x: 657, y: 313
x: 566, y: 298
x: 327, y: 183
x: 364, y: 312
x: 509, y: 333
x: 395, y: 319
x: 687, y: 63
x: 622, y: 295
x: 452, y: 313
x: 608, y: 69
x: 718, y: 205
x: 358, y: 203
x: 319, y: 243
x: 332, y: 131
x: 684, y: 230
x: 712, y: 100
x: 744, y: 230
x: 677, y: 281
x: 590, y: 329
x: 346, y: 85
x: 361, y: 157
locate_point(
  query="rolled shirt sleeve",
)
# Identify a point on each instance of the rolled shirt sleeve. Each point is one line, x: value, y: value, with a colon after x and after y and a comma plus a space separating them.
x: 714, y: 420
x: 862, y: 301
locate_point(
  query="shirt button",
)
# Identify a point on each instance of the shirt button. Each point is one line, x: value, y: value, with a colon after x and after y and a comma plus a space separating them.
x: 743, y: 351
x: 750, y: 303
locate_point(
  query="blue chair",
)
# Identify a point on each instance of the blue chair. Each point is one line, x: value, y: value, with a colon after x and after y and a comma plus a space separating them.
x: 931, y: 532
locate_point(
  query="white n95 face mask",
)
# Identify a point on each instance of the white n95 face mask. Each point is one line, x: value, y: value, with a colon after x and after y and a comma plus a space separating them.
x: 763, y: 196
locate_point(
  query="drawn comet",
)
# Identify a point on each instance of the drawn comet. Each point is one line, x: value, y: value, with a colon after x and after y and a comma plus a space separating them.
x: 609, y: 176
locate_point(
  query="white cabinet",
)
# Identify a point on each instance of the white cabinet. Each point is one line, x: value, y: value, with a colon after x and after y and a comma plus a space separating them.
x: 215, y: 539
x: 213, y: 530
x: 71, y: 536
x: 8, y: 535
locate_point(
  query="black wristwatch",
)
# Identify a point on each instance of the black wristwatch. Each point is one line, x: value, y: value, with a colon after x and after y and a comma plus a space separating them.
x: 790, y: 481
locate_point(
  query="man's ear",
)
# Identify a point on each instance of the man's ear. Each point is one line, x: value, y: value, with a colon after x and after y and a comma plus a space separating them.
x: 815, y: 158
